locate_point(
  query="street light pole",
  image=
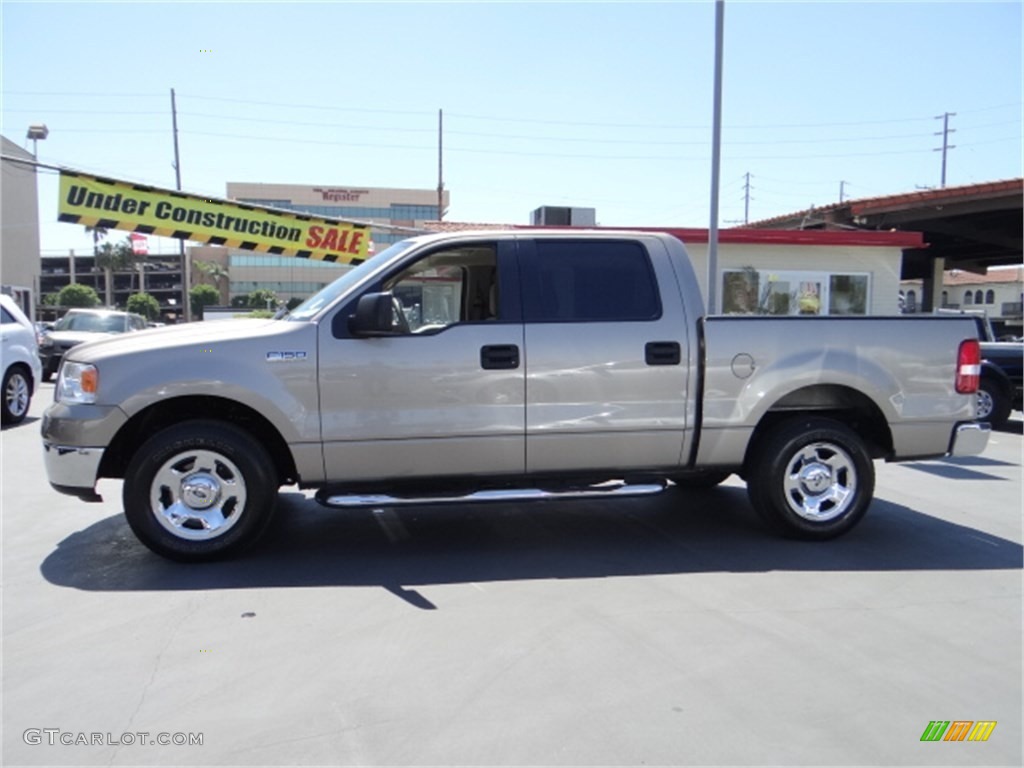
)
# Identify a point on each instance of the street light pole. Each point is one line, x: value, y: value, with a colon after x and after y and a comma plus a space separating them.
x: 36, y: 132
x: 716, y: 159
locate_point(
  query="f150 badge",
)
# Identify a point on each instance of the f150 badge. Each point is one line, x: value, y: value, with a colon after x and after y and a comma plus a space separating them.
x: 284, y: 357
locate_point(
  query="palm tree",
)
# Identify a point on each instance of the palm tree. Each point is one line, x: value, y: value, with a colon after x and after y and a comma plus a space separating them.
x: 213, y: 271
x: 110, y: 258
x: 98, y: 233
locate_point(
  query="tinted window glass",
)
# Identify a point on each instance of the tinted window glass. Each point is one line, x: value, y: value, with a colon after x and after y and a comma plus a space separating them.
x: 7, y: 316
x: 579, y: 281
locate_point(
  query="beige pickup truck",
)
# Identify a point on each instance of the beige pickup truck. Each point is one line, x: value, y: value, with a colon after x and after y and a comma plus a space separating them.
x: 513, y: 366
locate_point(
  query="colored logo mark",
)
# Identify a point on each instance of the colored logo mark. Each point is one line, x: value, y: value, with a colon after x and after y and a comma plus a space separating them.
x: 958, y: 730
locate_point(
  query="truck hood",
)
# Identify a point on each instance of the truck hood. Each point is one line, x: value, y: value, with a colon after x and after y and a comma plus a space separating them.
x: 176, y: 337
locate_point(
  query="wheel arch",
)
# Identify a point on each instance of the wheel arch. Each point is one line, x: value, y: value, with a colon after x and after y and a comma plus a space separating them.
x: 26, y: 369
x: 992, y: 372
x: 165, y: 413
x: 843, y: 404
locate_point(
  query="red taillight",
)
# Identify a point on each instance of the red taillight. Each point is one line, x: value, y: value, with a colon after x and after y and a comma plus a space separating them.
x: 968, y: 367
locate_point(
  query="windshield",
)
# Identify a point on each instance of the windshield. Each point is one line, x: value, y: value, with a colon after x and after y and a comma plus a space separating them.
x: 74, y: 321
x: 329, y: 293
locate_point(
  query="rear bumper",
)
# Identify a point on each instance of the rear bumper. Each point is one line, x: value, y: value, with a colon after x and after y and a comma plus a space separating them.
x: 969, y: 439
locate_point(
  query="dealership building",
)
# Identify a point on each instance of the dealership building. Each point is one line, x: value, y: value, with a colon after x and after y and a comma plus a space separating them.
x: 392, y: 214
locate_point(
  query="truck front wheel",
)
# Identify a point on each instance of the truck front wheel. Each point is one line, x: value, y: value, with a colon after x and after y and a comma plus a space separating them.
x: 199, y: 490
x: 811, y: 478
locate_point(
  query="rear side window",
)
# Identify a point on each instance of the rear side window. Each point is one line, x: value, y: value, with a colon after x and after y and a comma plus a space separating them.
x: 7, y: 316
x: 588, y: 281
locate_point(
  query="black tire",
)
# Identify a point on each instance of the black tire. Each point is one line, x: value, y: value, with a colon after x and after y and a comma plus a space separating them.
x: 15, y: 395
x: 170, y: 482
x: 701, y: 478
x: 993, y: 403
x: 811, y: 478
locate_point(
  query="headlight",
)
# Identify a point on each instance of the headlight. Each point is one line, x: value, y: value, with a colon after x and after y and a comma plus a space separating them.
x: 77, y: 383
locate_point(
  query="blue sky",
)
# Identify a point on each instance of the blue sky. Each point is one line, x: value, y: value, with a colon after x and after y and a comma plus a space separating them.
x: 607, y: 105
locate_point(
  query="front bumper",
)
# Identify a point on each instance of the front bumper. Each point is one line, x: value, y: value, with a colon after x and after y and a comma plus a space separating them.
x: 969, y: 439
x: 75, y: 437
x: 73, y: 470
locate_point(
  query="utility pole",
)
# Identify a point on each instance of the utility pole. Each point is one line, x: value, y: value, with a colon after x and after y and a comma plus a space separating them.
x: 842, y: 190
x: 946, y: 130
x: 746, y: 199
x: 440, y: 167
x: 716, y: 159
x: 185, y: 266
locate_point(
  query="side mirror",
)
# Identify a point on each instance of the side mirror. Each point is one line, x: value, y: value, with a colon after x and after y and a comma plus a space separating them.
x: 375, y: 316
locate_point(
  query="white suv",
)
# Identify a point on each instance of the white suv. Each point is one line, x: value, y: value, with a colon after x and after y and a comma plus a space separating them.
x: 22, y: 369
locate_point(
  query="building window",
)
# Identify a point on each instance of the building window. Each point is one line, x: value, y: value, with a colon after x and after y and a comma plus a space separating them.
x: 977, y: 297
x: 990, y: 296
x: 945, y: 298
x: 968, y: 297
x: 911, y: 302
x: 753, y: 292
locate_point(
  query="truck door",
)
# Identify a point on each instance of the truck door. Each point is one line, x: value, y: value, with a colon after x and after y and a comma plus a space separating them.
x: 447, y: 395
x: 606, y: 373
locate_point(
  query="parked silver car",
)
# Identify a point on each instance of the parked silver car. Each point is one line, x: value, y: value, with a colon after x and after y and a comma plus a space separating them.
x: 79, y: 326
x: 22, y: 369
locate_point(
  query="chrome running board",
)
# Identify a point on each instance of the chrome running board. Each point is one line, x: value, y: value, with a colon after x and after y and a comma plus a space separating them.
x: 616, y: 489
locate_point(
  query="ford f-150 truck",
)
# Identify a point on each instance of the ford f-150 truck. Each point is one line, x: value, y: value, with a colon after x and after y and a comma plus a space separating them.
x: 506, y: 365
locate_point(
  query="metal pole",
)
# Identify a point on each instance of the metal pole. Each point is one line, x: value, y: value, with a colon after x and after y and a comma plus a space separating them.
x: 945, y: 141
x: 440, y: 167
x: 716, y: 156
x: 746, y: 200
x: 186, y: 268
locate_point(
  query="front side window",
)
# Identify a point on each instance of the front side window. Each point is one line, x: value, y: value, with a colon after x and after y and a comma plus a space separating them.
x: 448, y: 287
x: 589, y: 281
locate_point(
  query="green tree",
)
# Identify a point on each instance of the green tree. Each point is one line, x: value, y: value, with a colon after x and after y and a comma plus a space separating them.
x: 111, y: 258
x: 258, y: 299
x: 212, y: 271
x: 240, y: 301
x: 293, y: 302
x: 77, y: 295
x: 145, y: 305
x: 202, y: 296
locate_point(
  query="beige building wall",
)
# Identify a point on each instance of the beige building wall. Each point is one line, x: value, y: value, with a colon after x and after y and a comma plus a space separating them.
x: 19, y: 221
x: 328, y: 194
x: 882, y: 264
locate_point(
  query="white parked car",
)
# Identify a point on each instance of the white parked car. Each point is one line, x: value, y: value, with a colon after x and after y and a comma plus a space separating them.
x: 22, y: 369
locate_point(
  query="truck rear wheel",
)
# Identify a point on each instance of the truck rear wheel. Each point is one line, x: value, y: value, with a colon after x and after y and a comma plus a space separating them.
x: 811, y: 478
x: 993, y: 404
x: 199, y: 490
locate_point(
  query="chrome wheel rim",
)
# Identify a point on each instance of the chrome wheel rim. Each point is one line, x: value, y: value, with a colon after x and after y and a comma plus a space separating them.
x: 984, y: 405
x: 16, y: 395
x: 821, y: 482
x: 198, y: 495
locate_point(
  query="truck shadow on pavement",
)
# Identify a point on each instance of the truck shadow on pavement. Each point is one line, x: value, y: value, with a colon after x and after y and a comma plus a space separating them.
x: 675, y: 533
